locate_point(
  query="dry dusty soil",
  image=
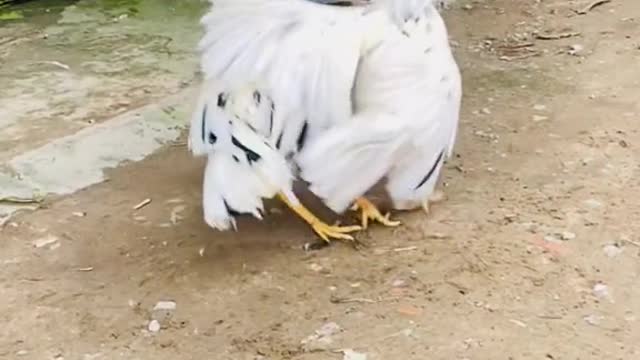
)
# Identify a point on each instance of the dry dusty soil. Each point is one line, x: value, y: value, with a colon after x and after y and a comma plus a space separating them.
x: 535, y: 254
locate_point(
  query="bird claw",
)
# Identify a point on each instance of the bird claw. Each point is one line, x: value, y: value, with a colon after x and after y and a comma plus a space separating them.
x: 436, y: 197
x: 329, y: 232
x: 368, y: 211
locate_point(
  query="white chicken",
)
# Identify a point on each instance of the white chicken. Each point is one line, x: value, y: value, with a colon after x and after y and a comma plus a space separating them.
x: 340, y: 94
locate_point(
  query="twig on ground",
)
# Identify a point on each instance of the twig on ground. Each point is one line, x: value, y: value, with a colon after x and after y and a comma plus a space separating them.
x: 557, y: 36
x: 591, y: 6
x: 142, y: 204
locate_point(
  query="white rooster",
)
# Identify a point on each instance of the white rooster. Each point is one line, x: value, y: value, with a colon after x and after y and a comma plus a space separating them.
x: 340, y: 94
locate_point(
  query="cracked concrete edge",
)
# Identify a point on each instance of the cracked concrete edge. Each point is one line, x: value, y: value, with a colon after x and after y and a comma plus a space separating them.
x: 74, y: 162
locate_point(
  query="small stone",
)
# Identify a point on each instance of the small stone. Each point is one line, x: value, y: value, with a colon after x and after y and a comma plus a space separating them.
x: 486, y: 111
x: 22, y: 352
x: 567, y: 235
x: 328, y: 329
x: 601, y: 291
x: 353, y: 355
x: 321, y: 339
x: 538, y: 118
x: 154, y: 326
x: 575, y: 50
x: 163, y: 311
x: 316, y: 267
x: 399, y: 283
x: 45, y: 241
x: 165, y: 306
x: 593, y: 319
x: 539, y: 107
x: 438, y: 236
x: 551, y: 239
x: 612, y: 250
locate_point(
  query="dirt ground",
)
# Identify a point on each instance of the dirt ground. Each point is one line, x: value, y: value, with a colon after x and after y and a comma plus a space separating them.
x: 535, y: 254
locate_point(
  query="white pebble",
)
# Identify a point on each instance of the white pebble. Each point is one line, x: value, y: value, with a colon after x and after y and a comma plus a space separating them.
x: 399, y: 283
x: 601, y: 291
x: 567, y: 235
x: 315, y: 267
x: 47, y: 240
x: 576, y: 50
x: 353, y: 355
x: 593, y: 319
x: 551, y: 239
x: 593, y: 203
x: 165, y: 306
x: 612, y: 250
x: 154, y: 326
x: 329, y: 329
x: 322, y: 338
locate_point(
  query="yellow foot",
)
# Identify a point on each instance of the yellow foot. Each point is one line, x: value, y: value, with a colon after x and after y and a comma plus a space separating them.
x: 328, y: 232
x: 369, y: 211
x: 325, y: 231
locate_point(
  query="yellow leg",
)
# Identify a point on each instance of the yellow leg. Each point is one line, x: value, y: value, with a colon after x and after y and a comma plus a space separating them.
x: 324, y: 230
x: 369, y: 211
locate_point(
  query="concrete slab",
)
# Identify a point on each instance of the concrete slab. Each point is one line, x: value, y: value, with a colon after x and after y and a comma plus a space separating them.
x: 64, y: 68
x: 87, y: 85
x: 76, y: 161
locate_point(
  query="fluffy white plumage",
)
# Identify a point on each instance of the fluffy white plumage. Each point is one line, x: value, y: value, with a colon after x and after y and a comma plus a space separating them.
x: 339, y: 96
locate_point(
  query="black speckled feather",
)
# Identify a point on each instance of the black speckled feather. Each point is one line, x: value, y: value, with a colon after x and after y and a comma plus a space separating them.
x: 431, y: 171
x: 252, y: 156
